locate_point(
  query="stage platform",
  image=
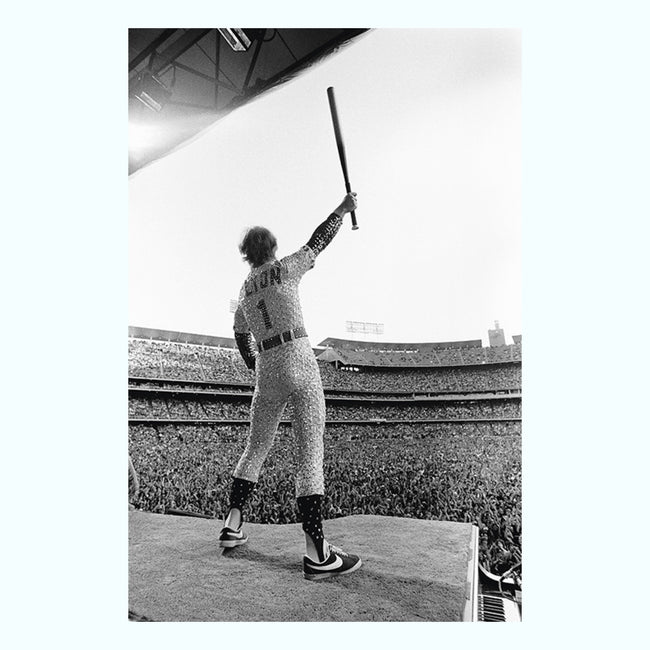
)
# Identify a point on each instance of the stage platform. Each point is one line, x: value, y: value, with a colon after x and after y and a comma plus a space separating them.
x: 413, y: 570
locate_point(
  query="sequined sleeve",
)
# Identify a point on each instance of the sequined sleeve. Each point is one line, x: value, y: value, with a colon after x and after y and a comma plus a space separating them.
x: 246, y: 348
x: 244, y: 339
x: 324, y: 234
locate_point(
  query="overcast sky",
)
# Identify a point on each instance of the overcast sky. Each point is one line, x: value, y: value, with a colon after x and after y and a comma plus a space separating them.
x: 432, y: 125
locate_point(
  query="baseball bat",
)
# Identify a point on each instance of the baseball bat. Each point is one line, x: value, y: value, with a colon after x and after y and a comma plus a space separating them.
x: 341, y: 147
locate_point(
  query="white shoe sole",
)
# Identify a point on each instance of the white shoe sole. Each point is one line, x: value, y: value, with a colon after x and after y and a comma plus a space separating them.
x: 231, y: 543
x: 331, y: 574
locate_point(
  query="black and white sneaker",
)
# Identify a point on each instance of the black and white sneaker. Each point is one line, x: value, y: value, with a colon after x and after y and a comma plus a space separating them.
x: 229, y: 538
x: 338, y: 563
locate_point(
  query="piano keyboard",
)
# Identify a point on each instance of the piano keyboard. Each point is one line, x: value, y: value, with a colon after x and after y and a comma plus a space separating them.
x: 495, y: 609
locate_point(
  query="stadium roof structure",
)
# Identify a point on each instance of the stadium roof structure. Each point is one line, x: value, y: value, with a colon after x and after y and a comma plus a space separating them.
x: 182, y: 81
x: 330, y: 355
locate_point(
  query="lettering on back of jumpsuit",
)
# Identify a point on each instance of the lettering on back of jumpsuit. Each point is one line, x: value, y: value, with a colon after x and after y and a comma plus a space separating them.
x: 269, y: 306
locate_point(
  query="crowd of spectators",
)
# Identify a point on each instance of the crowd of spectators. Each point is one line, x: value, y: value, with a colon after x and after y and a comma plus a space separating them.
x: 419, y: 430
x: 171, y: 360
x: 176, y: 385
x: 139, y: 408
x: 175, y: 408
x: 502, y: 353
x: 160, y: 359
x: 468, y: 379
x: 456, y: 472
x: 432, y: 356
x: 144, y: 359
x: 435, y: 410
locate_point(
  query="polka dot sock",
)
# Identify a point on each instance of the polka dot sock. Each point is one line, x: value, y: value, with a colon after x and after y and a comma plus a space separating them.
x: 312, y: 521
x: 239, y: 492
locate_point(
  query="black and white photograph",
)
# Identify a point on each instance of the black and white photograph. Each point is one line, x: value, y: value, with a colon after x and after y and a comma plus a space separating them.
x: 325, y: 331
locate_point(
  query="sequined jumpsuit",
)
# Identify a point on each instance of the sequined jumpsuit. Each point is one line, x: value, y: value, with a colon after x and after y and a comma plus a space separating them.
x: 269, y: 305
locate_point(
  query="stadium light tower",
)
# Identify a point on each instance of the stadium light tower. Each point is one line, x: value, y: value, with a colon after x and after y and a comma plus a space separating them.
x: 364, y: 328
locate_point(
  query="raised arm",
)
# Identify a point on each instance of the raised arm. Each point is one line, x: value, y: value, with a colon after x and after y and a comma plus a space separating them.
x: 324, y: 234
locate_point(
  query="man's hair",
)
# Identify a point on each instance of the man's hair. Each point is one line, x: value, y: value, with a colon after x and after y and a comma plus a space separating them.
x: 258, y: 245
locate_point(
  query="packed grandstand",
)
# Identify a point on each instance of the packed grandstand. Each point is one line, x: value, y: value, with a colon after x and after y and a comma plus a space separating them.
x: 424, y: 430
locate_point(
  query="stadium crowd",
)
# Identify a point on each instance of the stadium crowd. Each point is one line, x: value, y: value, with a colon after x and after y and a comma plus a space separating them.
x: 471, y: 378
x: 158, y: 384
x: 436, y: 410
x: 455, y: 472
x: 186, y: 361
x: 160, y: 359
x: 432, y: 356
x: 175, y: 408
